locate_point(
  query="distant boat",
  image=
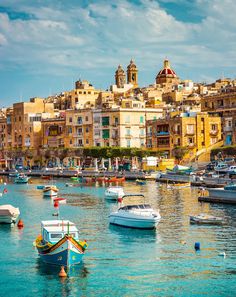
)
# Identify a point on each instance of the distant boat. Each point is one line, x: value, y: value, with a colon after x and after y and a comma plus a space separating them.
x: 205, y: 219
x: 113, y: 193
x: 74, y: 178
x: 59, y: 243
x: 50, y: 191
x: 22, y: 179
x: 47, y: 177
x: 114, y: 179
x: 221, y: 167
x: 13, y: 173
x: 140, y: 216
x: 179, y: 185
x: 9, y: 214
x: 140, y: 182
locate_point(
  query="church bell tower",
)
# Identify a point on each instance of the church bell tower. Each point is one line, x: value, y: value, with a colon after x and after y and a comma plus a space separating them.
x: 132, y: 74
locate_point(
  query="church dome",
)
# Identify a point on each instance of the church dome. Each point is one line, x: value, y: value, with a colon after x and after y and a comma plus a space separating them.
x: 166, y: 71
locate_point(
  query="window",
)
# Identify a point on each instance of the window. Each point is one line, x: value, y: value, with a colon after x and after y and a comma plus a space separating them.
x: 97, y: 120
x: 87, y: 129
x: 70, y: 120
x: 105, y: 121
x: 128, y: 142
x: 190, y: 140
x: 56, y: 236
x: 86, y: 118
x: 80, y: 142
x: 190, y: 129
x: 79, y: 120
x: 105, y: 134
x: 71, y: 141
x: 141, y: 119
x: 214, y: 127
x: 127, y: 131
x: 87, y: 141
x: 142, y: 132
x: 79, y: 131
x: 69, y: 130
x: 127, y: 119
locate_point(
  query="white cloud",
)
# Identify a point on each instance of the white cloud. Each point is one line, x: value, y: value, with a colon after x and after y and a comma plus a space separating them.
x: 102, y: 35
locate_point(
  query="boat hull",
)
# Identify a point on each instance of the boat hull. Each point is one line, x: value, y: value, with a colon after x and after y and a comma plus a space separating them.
x: 64, y: 253
x: 50, y: 193
x: 138, y: 223
x: 222, y: 194
x: 7, y: 216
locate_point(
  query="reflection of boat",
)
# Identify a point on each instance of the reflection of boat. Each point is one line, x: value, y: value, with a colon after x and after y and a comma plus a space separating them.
x: 49, y: 191
x: 178, y: 185
x: 8, y: 214
x: 205, y: 219
x: 140, y: 182
x: 59, y: 200
x: 21, y: 179
x: 113, y: 193
x: 59, y: 243
x: 140, y: 216
x: 40, y: 187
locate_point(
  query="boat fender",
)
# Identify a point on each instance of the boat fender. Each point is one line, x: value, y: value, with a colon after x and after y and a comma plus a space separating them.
x: 197, y: 246
x: 62, y: 272
x: 20, y: 224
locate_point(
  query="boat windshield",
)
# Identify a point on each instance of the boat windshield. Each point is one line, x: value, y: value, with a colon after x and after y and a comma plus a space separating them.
x: 139, y: 206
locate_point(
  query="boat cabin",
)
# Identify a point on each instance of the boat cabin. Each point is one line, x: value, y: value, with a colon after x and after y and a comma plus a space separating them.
x: 54, y: 230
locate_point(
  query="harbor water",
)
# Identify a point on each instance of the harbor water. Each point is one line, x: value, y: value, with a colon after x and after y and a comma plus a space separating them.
x: 120, y: 261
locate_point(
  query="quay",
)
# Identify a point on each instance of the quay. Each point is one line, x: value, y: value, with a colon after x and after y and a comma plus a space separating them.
x: 129, y: 175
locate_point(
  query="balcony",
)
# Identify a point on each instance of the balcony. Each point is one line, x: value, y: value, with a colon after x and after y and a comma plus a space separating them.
x: 163, y: 133
x: 163, y: 145
x: 215, y: 132
x: 190, y: 133
x: 191, y: 145
x: 127, y: 135
x: 228, y: 129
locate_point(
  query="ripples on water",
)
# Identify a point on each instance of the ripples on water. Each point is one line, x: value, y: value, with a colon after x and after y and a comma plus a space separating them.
x: 121, y: 261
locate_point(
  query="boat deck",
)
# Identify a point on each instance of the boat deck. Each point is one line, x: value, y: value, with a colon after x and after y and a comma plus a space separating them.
x: 215, y: 200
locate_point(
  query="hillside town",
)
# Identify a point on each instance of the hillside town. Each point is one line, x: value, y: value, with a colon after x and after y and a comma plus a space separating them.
x: 173, y: 118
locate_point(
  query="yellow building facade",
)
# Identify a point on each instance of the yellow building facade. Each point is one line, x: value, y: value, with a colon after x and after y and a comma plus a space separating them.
x: 194, y: 131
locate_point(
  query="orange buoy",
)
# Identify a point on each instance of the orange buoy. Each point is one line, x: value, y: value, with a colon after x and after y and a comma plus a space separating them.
x: 62, y: 272
x: 20, y: 224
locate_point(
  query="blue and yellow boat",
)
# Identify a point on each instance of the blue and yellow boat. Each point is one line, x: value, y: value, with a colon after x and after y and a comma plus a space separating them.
x: 59, y: 243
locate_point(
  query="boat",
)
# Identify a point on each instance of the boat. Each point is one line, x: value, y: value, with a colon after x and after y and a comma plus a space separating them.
x: 59, y: 243
x: 8, y: 214
x: 113, y: 193
x: 40, y: 187
x: 227, y: 193
x: 179, y: 185
x: 47, y: 177
x: 21, y: 179
x: 114, y: 179
x: 179, y: 169
x: 221, y: 167
x: 140, y: 216
x: 205, y: 219
x: 50, y: 191
x: 74, y: 178
x: 13, y: 173
x: 140, y: 182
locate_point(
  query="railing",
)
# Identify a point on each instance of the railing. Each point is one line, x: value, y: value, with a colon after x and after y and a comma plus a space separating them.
x: 190, y: 133
x: 228, y: 129
x: 213, y: 132
x: 162, y: 133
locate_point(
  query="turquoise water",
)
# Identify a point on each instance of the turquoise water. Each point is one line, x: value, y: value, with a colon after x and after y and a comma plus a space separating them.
x: 120, y: 261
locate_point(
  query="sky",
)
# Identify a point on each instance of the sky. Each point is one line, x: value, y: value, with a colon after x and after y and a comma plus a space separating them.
x: 47, y: 45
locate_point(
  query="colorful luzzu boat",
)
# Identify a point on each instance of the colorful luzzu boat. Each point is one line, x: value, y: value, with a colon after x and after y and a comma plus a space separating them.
x: 59, y: 243
x: 21, y: 179
x: 50, y: 191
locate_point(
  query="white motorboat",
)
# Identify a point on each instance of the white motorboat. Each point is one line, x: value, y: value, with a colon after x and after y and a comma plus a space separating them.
x: 141, y: 216
x: 221, y: 168
x: 8, y: 214
x: 205, y: 219
x: 113, y: 193
x: 50, y: 191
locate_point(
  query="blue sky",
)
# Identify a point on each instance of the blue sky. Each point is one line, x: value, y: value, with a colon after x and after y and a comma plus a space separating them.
x: 46, y: 45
